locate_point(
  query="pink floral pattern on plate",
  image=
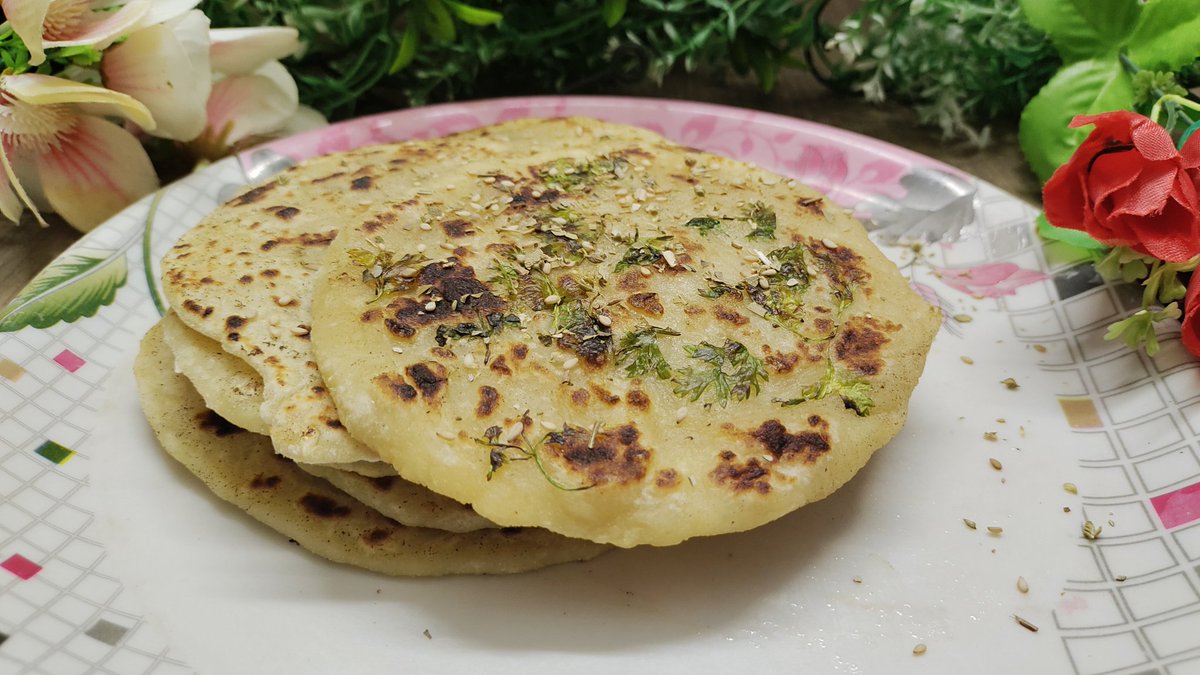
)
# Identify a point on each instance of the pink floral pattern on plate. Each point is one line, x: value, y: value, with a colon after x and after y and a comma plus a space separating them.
x: 846, y: 166
x: 994, y: 280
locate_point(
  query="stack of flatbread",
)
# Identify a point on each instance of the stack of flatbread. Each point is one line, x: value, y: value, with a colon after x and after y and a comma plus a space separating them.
x: 524, y: 344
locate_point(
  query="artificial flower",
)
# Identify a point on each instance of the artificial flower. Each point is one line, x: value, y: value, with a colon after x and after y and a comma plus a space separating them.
x: 253, y: 96
x: 46, y: 24
x: 1127, y: 185
x: 60, y: 154
x: 1190, y: 324
x: 166, y: 67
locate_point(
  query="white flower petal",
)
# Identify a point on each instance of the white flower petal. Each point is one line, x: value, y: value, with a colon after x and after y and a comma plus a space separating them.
x: 15, y: 198
x: 241, y: 51
x: 95, y: 172
x: 165, y: 67
x: 45, y: 90
x: 249, y: 105
x: 164, y: 10
x: 100, y: 27
x: 305, y: 119
x: 26, y: 18
x: 10, y: 204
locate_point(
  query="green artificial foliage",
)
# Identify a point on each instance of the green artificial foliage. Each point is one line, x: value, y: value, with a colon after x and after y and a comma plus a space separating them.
x: 365, y: 56
x: 960, y: 63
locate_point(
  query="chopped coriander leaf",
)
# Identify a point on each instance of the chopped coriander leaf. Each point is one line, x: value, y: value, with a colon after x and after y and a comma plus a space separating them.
x: 743, y: 379
x: 384, y: 271
x: 855, y: 393
x: 705, y: 225
x: 640, y: 354
x: 642, y: 252
x: 486, y: 327
x: 717, y: 289
x: 763, y: 218
x: 507, y: 277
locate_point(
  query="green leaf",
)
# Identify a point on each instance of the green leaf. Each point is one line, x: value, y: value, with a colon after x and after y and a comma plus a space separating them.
x: 74, y: 286
x: 1091, y: 86
x: 475, y: 16
x: 408, y: 48
x: 435, y: 20
x: 612, y: 11
x: 1069, y: 237
x: 1083, y: 29
x: 1167, y: 36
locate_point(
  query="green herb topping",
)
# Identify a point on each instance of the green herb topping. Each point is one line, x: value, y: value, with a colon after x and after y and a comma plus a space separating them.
x: 855, y: 393
x: 568, y: 174
x: 742, y: 380
x: 518, y: 449
x: 385, y: 272
x: 705, y: 225
x: 640, y: 354
x: 763, y: 218
x: 643, y: 252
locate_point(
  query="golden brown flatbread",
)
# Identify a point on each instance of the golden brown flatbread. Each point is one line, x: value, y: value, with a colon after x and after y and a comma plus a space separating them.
x: 587, y: 328
x: 241, y: 468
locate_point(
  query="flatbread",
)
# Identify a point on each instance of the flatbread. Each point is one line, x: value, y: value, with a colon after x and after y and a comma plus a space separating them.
x: 231, y: 388
x: 242, y: 277
x: 241, y: 468
x: 520, y: 335
x: 228, y: 385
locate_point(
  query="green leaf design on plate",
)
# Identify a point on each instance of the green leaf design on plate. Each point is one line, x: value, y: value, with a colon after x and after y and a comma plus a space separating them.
x: 78, y: 284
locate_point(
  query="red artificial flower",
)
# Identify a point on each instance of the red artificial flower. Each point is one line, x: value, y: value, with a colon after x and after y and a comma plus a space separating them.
x: 1127, y: 185
x: 1191, y: 315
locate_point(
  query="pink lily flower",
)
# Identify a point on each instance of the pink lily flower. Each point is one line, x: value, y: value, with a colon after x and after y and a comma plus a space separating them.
x: 60, y: 154
x: 253, y: 95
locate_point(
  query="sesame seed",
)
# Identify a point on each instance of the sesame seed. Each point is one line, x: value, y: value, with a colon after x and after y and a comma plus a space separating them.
x: 763, y: 283
x: 995, y: 463
x: 829, y: 244
x: 635, y: 207
x: 698, y: 189
x: 669, y: 256
x: 536, y: 194
x: 793, y: 282
x: 469, y: 360
x: 644, y: 271
x: 969, y: 523
x: 513, y: 431
x: 430, y: 306
x: 551, y: 300
x: 488, y: 180
x: 570, y: 363
x: 274, y: 331
x: 300, y: 329
x: 994, y: 529
x: 463, y: 213
x: 407, y: 272
x: 604, y: 320
x: 548, y: 425
x: 857, y: 580
x: 425, y: 226
x: 1022, y: 585
x: 398, y: 350
x: 1070, y: 487
x: 919, y: 649
x: 967, y: 360
x: 680, y: 414
x: 445, y: 435
x: 421, y: 248
x: 963, y: 318
x: 735, y: 245
x: 1025, y: 624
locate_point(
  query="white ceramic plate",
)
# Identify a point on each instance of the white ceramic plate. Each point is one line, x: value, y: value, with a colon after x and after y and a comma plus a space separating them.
x: 115, y: 560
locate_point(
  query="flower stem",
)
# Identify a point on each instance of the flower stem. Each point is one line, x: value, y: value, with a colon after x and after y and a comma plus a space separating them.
x: 1156, y: 111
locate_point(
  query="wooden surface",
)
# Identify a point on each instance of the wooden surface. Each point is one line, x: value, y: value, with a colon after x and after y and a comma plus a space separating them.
x: 26, y: 248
